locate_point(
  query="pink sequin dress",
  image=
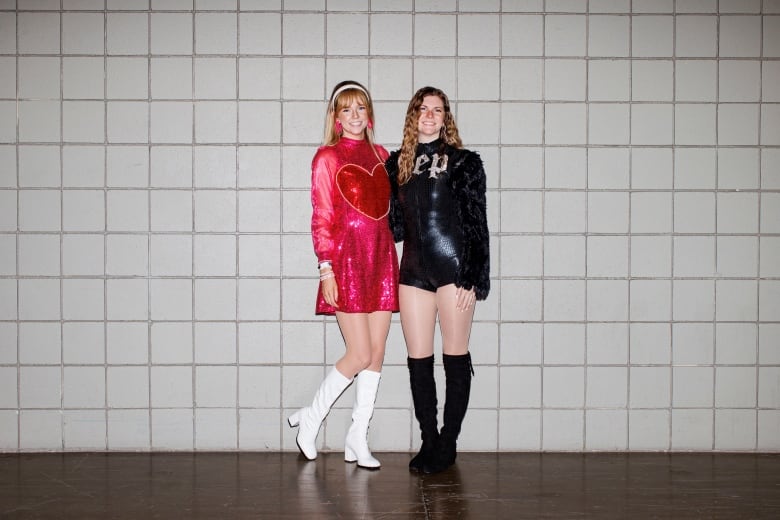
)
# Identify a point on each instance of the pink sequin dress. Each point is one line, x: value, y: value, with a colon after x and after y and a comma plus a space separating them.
x: 350, y: 197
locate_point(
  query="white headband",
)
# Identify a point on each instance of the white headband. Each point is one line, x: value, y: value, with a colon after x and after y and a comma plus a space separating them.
x: 342, y: 88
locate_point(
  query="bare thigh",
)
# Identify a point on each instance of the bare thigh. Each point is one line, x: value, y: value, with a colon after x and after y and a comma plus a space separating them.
x: 418, y: 319
x: 455, y: 324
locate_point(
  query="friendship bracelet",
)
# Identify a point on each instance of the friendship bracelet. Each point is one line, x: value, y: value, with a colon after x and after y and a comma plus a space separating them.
x: 325, y: 276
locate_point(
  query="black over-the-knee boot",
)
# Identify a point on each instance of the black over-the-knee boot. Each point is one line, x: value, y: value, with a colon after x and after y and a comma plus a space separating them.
x: 423, y: 387
x: 458, y: 371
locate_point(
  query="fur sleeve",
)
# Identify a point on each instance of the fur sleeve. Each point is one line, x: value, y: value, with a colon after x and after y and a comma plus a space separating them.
x: 470, y: 186
x: 395, y: 217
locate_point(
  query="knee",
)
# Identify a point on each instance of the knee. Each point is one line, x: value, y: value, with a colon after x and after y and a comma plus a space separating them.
x: 361, y: 361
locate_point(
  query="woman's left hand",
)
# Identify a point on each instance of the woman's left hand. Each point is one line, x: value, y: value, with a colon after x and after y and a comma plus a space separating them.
x: 464, y: 299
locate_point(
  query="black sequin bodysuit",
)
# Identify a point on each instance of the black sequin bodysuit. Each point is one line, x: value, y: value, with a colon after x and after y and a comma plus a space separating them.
x: 439, y: 213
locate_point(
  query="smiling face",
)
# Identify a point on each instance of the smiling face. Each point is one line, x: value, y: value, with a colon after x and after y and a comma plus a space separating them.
x: 353, y: 114
x: 431, y: 119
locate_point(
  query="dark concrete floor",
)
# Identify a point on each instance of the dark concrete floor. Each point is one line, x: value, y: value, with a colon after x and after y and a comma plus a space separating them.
x: 481, y: 485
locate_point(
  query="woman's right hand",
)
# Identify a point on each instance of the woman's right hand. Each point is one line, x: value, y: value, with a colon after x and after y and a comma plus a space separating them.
x: 330, y: 291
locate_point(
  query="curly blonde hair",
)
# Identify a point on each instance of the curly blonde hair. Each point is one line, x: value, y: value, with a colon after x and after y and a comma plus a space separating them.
x: 448, y: 133
x: 342, y: 96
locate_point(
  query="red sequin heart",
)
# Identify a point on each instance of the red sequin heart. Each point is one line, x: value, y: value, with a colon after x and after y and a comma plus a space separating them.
x: 367, y: 192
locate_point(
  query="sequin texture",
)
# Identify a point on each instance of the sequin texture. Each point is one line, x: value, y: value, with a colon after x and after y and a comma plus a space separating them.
x: 350, y: 201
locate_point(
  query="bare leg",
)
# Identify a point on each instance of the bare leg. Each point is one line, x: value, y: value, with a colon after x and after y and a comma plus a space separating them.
x: 455, y: 324
x: 418, y: 320
x: 365, y: 337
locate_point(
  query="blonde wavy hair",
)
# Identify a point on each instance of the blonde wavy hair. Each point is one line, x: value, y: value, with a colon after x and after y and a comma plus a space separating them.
x: 448, y: 133
x: 342, y: 96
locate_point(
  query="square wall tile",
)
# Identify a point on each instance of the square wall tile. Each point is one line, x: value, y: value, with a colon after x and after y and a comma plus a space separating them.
x: 608, y: 36
x: 39, y: 299
x: 695, y: 124
x: 40, y: 387
x: 39, y: 121
x: 562, y: 430
x: 215, y: 299
x: 478, y: 35
x: 128, y: 387
x: 127, y: 343
x: 216, y: 33
x: 171, y: 343
x: 563, y: 387
x: 84, y: 430
x: 313, y: 25
x: 739, y: 36
x: 608, y: 124
x: 435, y: 35
x: 519, y: 430
x: 564, y: 344
x: 171, y: 33
x: 696, y: 36
x: 522, y: 35
x: 171, y: 386
x: 39, y: 344
x: 648, y: 430
x: 127, y: 33
x: 40, y: 430
x: 83, y: 166
x: 649, y: 387
x: 736, y: 343
x: 38, y: 77
x: 564, y: 300
x: 606, y: 430
x: 565, y: 35
x: 84, y: 387
x: 695, y: 256
x: 38, y: 255
x: 736, y: 300
x: 37, y: 33
x: 735, y: 430
x: 128, y: 430
x: 260, y: 33
x: 692, y: 429
x: 83, y: 343
x: 172, y: 429
x: 695, y: 80
x: 738, y: 124
x: 215, y: 78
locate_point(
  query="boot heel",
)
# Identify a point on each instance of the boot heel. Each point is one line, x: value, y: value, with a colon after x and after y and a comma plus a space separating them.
x: 294, y: 419
x: 349, y: 454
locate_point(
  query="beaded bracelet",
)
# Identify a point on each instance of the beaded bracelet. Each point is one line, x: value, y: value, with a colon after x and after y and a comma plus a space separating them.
x: 324, y: 276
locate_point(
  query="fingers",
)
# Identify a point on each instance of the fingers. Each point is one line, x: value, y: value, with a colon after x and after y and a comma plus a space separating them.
x: 330, y: 292
x: 465, y: 299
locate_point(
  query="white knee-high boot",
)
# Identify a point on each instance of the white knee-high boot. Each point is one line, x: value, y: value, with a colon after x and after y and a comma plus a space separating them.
x: 356, y: 443
x: 309, y: 418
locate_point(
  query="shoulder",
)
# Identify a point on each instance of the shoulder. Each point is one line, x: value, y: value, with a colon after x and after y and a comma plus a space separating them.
x: 382, y: 151
x: 467, y: 161
x: 324, y: 155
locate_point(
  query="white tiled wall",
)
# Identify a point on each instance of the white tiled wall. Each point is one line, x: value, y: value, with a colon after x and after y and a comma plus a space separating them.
x: 156, y: 270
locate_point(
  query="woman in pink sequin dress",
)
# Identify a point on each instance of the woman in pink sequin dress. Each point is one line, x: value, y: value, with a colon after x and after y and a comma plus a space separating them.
x: 357, y: 262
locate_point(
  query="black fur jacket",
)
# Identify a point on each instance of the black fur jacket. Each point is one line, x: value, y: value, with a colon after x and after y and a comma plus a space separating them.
x: 467, y: 180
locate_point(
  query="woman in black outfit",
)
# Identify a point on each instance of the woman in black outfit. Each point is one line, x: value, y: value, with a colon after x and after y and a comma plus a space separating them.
x: 438, y: 209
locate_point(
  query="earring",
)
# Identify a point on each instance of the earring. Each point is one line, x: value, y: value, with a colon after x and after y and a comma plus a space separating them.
x: 339, y: 128
x: 370, y: 125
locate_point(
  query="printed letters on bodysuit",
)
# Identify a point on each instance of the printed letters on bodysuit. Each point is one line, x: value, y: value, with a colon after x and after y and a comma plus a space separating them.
x: 438, y: 165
